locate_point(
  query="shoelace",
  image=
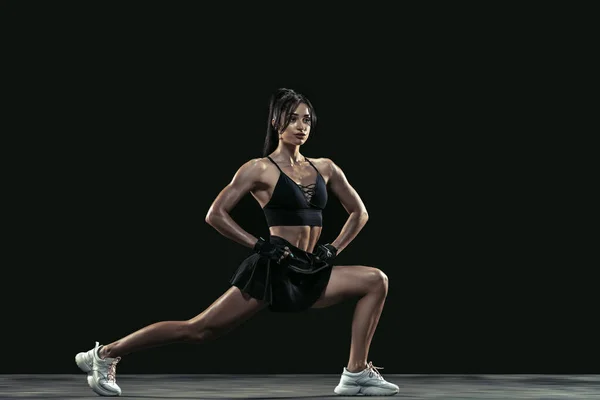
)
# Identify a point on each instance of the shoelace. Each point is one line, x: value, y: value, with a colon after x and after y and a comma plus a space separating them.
x: 373, y: 370
x: 112, y: 370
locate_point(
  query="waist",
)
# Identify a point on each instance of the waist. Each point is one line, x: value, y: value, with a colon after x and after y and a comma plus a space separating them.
x: 297, y: 217
x: 303, y: 237
x: 303, y: 261
x: 282, y: 241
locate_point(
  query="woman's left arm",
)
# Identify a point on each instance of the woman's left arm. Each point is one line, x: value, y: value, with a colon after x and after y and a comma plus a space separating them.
x: 353, y: 204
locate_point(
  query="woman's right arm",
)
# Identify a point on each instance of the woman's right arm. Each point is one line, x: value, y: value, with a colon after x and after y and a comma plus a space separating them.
x: 218, y: 216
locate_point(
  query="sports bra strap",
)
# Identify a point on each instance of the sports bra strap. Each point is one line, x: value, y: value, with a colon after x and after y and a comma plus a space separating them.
x: 312, y: 165
x: 279, y: 168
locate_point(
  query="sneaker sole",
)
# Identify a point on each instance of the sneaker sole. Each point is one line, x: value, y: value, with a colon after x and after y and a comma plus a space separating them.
x: 375, y: 391
x: 99, y: 390
x: 345, y: 390
x: 81, y: 363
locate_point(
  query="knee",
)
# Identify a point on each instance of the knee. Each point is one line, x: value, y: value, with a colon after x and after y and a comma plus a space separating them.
x: 378, y: 280
x: 199, y: 331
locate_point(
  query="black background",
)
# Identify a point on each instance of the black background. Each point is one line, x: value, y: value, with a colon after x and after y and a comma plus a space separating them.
x: 129, y: 123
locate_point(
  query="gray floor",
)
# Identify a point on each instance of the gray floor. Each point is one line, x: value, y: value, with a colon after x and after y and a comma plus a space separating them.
x: 509, y: 387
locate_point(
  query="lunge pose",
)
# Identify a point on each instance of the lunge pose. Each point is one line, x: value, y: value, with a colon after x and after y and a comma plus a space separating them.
x: 290, y: 271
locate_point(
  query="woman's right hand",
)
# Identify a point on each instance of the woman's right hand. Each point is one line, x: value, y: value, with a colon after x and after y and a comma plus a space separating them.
x: 273, y: 251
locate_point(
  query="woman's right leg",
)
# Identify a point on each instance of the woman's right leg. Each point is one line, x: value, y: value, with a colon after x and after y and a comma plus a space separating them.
x: 226, y: 313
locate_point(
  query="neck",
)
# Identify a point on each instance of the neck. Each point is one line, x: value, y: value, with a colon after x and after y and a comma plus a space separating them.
x: 289, y: 154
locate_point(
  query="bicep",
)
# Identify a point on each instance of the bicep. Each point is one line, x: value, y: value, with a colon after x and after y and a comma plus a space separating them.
x: 242, y: 183
x: 344, y: 191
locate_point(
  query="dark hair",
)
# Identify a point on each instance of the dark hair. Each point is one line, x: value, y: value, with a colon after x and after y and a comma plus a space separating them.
x: 284, y: 102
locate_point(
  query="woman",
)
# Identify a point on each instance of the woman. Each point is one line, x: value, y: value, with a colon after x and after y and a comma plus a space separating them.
x: 289, y: 272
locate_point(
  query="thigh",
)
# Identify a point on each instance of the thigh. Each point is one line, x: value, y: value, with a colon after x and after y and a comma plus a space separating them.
x: 348, y: 281
x: 228, y: 311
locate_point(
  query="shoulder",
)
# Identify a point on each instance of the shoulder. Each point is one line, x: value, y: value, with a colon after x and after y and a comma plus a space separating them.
x: 260, y: 164
x: 325, y: 165
x: 254, y: 168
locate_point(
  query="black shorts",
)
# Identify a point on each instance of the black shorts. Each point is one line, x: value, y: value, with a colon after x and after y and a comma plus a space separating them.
x: 293, y: 285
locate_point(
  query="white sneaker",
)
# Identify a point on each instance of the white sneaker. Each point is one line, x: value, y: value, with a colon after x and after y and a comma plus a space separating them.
x: 367, y: 382
x: 101, y: 372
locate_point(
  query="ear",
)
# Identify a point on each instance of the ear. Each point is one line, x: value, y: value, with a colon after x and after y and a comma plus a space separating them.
x: 273, y: 122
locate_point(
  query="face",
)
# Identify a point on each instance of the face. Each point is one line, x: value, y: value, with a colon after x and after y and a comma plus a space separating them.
x: 297, y: 131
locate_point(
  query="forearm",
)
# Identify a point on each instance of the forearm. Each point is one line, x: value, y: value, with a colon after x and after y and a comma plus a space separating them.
x: 227, y: 227
x: 356, y: 221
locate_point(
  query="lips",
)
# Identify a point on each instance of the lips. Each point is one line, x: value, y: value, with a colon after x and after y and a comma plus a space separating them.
x: 300, y: 135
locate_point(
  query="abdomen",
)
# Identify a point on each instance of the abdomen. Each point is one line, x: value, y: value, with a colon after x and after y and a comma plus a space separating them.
x: 303, y: 237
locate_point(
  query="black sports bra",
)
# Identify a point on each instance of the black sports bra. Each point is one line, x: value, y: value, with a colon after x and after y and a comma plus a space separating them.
x: 296, y: 205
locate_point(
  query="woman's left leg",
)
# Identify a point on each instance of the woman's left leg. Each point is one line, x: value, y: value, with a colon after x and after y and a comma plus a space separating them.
x: 370, y: 285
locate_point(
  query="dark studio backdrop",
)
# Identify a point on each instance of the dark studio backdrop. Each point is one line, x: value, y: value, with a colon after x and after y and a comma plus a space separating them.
x: 130, y: 141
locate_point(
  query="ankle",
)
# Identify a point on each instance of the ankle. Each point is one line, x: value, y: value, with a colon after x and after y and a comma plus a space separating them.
x: 356, y: 367
x: 103, y: 352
